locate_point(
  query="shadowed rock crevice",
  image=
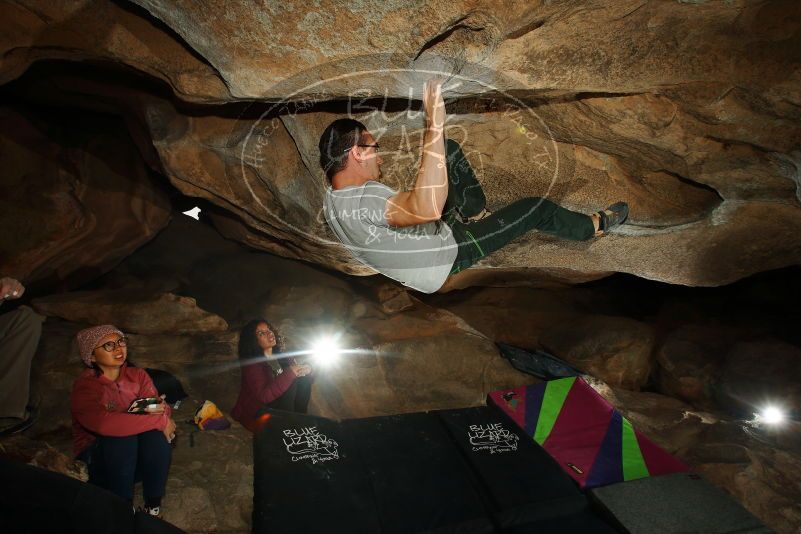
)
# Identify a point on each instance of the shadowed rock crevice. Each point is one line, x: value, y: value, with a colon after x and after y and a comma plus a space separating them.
x: 74, y: 203
x: 459, y: 24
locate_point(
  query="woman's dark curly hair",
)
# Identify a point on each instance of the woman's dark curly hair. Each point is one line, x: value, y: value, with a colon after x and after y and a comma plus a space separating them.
x: 249, y: 342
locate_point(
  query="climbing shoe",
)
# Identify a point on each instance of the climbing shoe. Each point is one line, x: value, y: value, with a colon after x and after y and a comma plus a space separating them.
x: 484, y: 213
x: 612, y: 216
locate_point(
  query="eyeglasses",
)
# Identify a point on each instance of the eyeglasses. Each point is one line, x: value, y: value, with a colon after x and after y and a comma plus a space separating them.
x: 111, y: 345
x: 263, y: 333
x: 375, y: 145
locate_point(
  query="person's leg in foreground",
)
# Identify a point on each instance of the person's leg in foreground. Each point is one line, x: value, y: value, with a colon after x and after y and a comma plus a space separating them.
x: 19, y: 335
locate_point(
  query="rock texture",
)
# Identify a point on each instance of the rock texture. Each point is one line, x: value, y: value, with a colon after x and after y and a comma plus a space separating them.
x: 73, y: 203
x: 585, y: 104
x: 132, y: 311
x: 107, y: 31
x: 617, y: 350
x: 753, y: 465
x: 690, y: 361
x: 20, y: 448
x: 761, y: 373
x: 513, y: 316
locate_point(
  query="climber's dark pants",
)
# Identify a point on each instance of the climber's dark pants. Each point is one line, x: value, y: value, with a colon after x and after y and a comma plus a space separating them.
x: 480, y: 238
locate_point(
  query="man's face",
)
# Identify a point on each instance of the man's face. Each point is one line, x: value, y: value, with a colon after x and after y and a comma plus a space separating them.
x: 372, y: 160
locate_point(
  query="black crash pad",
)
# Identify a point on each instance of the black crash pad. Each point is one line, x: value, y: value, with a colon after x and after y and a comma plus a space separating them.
x: 307, y: 478
x: 450, y: 471
x: 420, y: 482
x: 521, y: 480
x: 35, y: 500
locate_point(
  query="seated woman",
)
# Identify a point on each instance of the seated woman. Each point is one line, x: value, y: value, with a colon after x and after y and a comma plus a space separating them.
x: 119, y: 447
x: 268, y: 380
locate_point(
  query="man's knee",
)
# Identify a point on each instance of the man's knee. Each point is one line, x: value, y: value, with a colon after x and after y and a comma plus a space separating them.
x: 541, y: 203
x: 23, y: 321
x: 534, y: 207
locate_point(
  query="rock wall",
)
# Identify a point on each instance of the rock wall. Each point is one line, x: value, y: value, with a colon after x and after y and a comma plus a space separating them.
x: 687, y: 110
x: 73, y: 204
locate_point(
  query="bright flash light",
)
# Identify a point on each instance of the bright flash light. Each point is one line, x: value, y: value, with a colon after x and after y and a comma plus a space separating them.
x: 326, y: 352
x: 194, y: 213
x: 772, y: 415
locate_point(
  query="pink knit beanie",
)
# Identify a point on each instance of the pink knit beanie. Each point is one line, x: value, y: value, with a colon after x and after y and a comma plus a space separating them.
x: 88, y: 338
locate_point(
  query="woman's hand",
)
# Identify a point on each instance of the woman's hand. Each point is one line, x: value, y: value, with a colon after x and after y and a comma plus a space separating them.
x: 169, y: 430
x: 300, y: 370
x: 157, y: 408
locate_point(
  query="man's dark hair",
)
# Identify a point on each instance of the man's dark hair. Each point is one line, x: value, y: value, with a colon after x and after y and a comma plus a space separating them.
x: 340, y: 136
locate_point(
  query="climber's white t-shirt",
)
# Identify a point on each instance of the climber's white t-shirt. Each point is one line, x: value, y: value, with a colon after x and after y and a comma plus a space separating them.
x: 419, y: 256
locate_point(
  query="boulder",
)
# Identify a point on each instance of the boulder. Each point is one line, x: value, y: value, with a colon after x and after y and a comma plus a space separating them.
x: 756, y: 467
x: 21, y: 448
x: 671, y: 423
x: 519, y: 317
x: 132, y: 311
x: 605, y: 125
x: 94, y: 29
x: 310, y: 304
x: 174, y: 351
x: 208, y: 489
x: 689, y: 363
x: 392, y: 297
x: 760, y: 373
x: 418, y: 359
x: 423, y: 321
x: 225, y: 277
x: 551, y: 99
x: 618, y: 350
x: 73, y: 203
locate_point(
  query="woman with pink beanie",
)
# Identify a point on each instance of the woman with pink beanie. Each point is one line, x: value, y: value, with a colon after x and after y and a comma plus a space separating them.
x: 120, y: 448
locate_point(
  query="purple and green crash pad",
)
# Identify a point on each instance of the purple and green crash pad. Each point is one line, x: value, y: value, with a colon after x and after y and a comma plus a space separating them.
x: 585, y: 434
